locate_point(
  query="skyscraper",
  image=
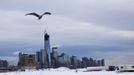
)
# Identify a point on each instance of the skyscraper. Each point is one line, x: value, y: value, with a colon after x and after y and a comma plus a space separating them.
x: 38, y: 60
x: 74, y: 62
x: 54, y: 59
x: 38, y: 56
x: 47, y: 47
x: 44, y: 58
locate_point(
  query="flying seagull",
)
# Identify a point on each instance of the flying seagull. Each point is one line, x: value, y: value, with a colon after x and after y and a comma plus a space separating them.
x: 39, y: 16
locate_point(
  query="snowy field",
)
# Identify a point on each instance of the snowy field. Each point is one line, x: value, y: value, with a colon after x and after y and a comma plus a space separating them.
x: 65, y: 72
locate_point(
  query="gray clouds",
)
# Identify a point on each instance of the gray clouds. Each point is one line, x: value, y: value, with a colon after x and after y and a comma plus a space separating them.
x: 105, y: 24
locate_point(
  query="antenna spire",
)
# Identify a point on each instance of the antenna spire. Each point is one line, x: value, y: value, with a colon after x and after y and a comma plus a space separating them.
x: 45, y: 31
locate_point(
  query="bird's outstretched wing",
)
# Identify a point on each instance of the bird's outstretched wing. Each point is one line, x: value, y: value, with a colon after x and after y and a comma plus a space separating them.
x: 34, y: 14
x: 47, y: 13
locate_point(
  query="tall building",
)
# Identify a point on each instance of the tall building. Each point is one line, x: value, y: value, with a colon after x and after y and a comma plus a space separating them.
x: 54, y: 58
x: 44, y: 58
x: 47, y: 47
x: 64, y: 60
x: 102, y: 62
x: 38, y: 60
x: 26, y: 61
x: 84, y: 62
x: 74, y: 62
x: 38, y: 56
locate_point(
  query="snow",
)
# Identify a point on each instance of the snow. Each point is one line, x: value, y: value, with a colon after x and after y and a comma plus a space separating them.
x: 65, y: 71
x: 97, y: 68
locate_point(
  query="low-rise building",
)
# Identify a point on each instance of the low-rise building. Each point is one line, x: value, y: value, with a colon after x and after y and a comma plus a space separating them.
x: 3, y: 65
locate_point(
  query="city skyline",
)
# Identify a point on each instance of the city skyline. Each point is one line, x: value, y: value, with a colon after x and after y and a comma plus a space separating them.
x: 100, y: 29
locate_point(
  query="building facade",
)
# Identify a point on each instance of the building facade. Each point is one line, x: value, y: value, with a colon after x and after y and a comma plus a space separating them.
x: 26, y: 61
x: 4, y: 65
x: 54, y: 59
x: 38, y: 60
x: 74, y: 62
x: 47, y: 47
x: 64, y: 60
x: 44, y: 58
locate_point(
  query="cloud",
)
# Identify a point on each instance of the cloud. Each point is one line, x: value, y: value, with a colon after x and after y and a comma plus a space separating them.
x: 16, y: 53
x: 57, y: 45
x: 11, y: 59
x: 30, y: 32
x: 98, y: 25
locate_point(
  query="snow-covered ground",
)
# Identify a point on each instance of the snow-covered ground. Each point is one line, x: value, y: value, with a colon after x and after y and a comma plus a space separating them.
x: 62, y: 71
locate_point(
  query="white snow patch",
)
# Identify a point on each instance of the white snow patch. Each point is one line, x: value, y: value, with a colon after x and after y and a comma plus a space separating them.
x: 64, y: 71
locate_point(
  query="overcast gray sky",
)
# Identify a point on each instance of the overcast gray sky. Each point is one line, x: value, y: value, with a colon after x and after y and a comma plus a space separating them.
x: 93, y: 28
